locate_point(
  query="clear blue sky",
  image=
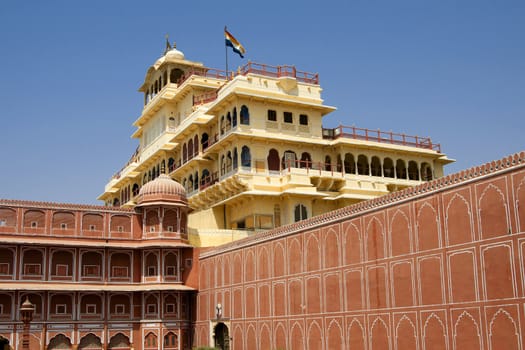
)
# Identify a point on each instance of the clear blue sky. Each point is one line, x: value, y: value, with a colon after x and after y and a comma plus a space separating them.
x: 70, y: 70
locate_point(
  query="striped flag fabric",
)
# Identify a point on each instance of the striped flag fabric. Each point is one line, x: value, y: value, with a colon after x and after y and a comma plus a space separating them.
x: 234, y: 43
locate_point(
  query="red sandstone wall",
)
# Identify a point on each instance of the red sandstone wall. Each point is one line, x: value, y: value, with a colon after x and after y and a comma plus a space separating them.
x: 440, y: 266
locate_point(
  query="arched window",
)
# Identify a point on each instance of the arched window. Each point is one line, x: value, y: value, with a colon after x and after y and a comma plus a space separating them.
x: 90, y: 341
x: 61, y: 264
x: 204, y: 141
x: 150, y: 268
x: 119, y: 306
x: 171, y: 164
x: 234, y: 117
x: 120, y: 266
x: 118, y: 341
x: 362, y: 165
x: 401, y: 170
x: 184, y: 153
x: 235, y: 159
x: 190, y: 149
x: 388, y: 168
x: 339, y: 165
x: 205, y: 177
x: 32, y: 264
x: 376, y: 166
x: 196, y: 144
x: 135, y: 189
x: 150, y: 340
x: 349, y: 163
x: 223, y: 165
x: 175, y: 75
x: 273, y: 160
x: 327, y: 163
x: 170, y: 340
x: 413, y: 172
x: 190, y: 184
x: 289, y: 160
x: 171, y: 265
x: 228, y: 125
x: 246, y: 158
x: 60, y: 341
x: 306, y: 160
x: 426, y: 172
x: 229, y: 161
x: 196, y: 182
x: 300, y: 213
x: 91, y: 265
x: 245, y: 115
x: 90, y: 305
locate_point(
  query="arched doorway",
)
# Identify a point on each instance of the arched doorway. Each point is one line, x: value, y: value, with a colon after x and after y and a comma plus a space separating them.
x: 4, y: 343
x: 273, y: 160
x: 119, y: 341
x: 221, y: 337
x: 60, y: 341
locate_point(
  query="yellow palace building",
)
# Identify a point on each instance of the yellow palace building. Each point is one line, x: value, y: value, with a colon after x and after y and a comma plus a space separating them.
x: 251, y: 151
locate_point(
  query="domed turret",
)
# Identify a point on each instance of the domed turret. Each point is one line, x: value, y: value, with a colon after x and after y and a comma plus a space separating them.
x: 162, y: 190
x: 174, y: 54
x: 171, y: 54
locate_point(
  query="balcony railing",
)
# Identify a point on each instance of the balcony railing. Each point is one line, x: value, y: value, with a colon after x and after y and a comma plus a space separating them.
x: 204, y: 98
x: 380, y: 136
x: 209, y: 180
x: 279, y: 72
x: 255, y: 68
x: 203, y: 72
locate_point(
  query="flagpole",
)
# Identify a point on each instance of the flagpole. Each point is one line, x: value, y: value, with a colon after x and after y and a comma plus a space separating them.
x: 226, y: 48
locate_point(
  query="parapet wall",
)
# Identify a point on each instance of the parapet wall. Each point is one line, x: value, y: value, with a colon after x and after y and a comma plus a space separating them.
x: 435, y: 266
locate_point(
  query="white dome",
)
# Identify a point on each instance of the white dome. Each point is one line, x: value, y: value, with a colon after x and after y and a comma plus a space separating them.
x: 174, y: 54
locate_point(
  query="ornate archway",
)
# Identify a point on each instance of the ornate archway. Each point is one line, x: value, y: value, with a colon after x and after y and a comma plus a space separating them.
x: 221, y: 336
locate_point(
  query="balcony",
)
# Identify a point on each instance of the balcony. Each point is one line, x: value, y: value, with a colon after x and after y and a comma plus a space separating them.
x: 280, y: 72
x: 351, y: 132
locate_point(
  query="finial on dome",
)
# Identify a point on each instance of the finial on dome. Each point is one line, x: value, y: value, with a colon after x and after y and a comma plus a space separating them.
x: 168, y: 46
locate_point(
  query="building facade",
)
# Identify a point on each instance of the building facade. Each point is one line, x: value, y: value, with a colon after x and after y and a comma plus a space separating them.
x: 250, y: 149
x: 99, y: 277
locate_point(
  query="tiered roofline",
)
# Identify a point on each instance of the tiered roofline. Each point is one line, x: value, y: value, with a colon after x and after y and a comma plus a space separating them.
x: 517, y: 160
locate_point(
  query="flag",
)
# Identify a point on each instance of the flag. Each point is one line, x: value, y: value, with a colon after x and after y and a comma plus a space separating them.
x: 234, y: 43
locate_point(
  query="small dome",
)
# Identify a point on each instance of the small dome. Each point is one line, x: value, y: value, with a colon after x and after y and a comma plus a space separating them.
x: 174, y: 54
x: 162, y: 190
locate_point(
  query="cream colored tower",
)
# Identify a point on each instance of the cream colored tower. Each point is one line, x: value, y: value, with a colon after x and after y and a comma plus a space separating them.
x: 251, y: 151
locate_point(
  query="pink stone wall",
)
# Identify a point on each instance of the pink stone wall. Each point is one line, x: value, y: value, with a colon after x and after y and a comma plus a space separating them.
x: 439, y: 266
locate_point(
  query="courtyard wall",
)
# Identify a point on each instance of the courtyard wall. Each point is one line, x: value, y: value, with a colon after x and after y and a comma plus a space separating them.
x: 437, y: 266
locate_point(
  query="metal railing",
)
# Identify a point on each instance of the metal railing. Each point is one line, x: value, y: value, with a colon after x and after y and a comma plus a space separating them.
x: 380, y: 136
x: 280, y: 71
